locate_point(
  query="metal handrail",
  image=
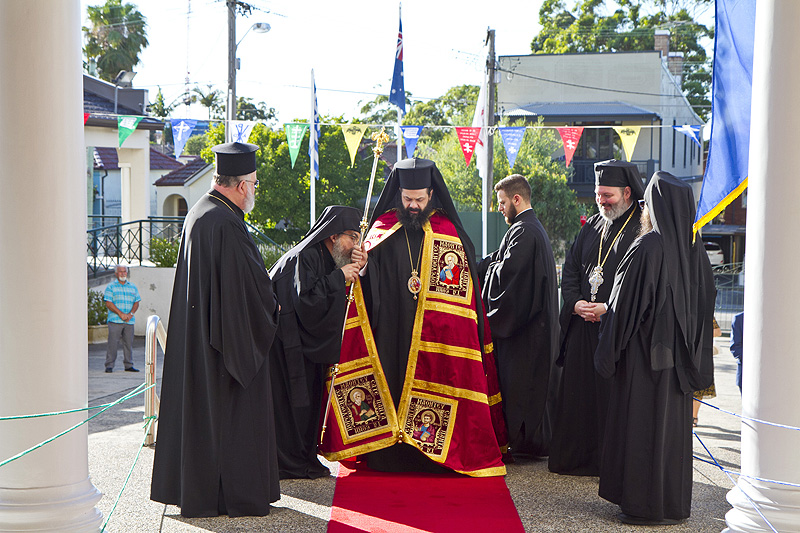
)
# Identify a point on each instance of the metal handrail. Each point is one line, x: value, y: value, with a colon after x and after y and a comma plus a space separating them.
x: 155, y: 333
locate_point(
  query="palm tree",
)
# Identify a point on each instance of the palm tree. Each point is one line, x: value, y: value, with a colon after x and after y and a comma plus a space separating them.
x: 116, y: 38
x: 212, y: 99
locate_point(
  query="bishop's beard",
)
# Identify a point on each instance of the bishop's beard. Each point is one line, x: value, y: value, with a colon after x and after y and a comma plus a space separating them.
x: 414, y: 219
x: 341, y: 257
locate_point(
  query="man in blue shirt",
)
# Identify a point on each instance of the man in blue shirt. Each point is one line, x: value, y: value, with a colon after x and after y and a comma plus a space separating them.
x: 122, y: 299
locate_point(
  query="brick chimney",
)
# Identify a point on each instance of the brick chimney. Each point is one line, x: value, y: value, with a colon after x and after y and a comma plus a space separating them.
x: 675, y: 66
x: 662, y: 43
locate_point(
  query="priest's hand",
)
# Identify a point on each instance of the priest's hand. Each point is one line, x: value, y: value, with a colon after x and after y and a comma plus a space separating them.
x: 359, y: 256
x: 350, y: 272
x: 590, y: 312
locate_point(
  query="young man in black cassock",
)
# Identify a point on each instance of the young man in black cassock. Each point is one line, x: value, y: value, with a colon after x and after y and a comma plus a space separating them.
x: 656, y: 343
x: 215, y: 448
x: 521, y: 298
x: 582, y: 402
x: 310, y: 283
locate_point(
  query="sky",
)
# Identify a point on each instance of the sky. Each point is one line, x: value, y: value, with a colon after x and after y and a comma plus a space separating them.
x: 350, y: 44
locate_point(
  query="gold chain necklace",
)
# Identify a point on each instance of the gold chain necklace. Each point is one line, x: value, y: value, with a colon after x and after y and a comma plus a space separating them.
x: 414, y: 283
x: 596, y: 279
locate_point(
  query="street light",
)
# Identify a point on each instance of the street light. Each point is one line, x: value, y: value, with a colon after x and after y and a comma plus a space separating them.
x: 124, y: 79
x: 233, y: 62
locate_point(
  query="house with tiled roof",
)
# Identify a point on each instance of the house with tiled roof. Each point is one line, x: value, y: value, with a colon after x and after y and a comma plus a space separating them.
x: 103, y: 104
x: 178, y: 190
x: 107, y: 180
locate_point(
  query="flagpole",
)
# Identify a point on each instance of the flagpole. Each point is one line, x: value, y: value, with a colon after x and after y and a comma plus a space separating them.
x: 313, y: 151
x: 397, y: 94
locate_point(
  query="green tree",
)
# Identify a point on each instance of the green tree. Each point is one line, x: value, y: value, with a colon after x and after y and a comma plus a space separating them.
x: 455, y: 108
x: 159, y: 107
x: 195, y: 144
x: 210, y: 98
x: 283, y: 192
x: 594, y: 27
x: 247, y: 110
x: 117, y: 36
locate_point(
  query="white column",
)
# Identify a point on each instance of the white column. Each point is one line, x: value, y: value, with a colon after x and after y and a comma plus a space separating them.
x: 43, y: 335
x: 125, y: 191
x: 771, y: 379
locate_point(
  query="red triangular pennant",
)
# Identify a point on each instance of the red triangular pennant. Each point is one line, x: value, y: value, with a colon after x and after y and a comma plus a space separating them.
x: 467, y: 138
x: 570, y: 138
x: 86, y: 117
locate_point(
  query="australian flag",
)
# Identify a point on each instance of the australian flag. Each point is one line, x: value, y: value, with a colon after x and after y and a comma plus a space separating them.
x: 398, y: 93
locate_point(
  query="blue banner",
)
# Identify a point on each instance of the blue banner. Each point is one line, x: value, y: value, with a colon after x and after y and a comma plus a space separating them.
x: 181, y: 131
x: 728, y: 152
x: 693, y: 132
x: 512, y: 140
x: 410, y: 137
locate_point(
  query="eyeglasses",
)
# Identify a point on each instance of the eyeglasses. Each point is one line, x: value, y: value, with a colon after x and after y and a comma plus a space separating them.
x: 255, y: 183
x: 351, y: 235
x: 642, y: 204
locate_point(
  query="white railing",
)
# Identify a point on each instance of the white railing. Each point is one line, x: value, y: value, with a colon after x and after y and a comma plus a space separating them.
x: 155, y: 333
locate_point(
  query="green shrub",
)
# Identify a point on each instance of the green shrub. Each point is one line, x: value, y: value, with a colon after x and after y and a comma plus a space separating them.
x: 164, y: 252
x: 97, y: 310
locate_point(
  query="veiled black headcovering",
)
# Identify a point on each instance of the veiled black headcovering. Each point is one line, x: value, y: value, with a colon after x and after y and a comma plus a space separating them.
x: 334, y: 219
x: 614, y: 173
x: 687, y: 274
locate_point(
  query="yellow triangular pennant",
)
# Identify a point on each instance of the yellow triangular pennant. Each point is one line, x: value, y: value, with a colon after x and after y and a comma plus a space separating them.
x: 352, y: 138
x: 629, y: 135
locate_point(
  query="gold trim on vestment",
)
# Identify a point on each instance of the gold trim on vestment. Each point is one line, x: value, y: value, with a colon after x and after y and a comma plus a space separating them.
x: 444, y: 307
x: 495, y: 399
x: 486, y: 472
x: 447, y: 390
x: 450, y: 350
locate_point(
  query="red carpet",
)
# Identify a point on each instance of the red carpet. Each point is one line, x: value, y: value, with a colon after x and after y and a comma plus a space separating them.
x: 366, y: 500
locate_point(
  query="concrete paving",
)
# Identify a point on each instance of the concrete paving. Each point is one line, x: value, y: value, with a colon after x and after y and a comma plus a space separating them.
x: 545, y: 501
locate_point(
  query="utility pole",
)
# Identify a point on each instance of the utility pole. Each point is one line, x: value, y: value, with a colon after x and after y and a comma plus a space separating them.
x: 231, y: 104
x: 488, y: 171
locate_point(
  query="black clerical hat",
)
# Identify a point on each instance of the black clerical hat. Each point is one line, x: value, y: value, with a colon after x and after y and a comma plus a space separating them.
x: 614, y: 173
x: 414, y: 173
x: 235, y: 159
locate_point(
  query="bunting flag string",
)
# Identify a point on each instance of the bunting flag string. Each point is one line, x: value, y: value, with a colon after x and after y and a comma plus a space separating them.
x: 181, y: 131
x: 468, y: 138
x: 512, y: 140
x: 352, y: 138
x: 570, y: 137
x: 294, y: 137
x: 85, y: 117
x: 126, y: 124
x: 628, y: 135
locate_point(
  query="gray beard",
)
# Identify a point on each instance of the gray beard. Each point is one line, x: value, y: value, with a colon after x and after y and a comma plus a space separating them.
x: 647, y: 223
x: 339, y: 255
x: 616, y: 212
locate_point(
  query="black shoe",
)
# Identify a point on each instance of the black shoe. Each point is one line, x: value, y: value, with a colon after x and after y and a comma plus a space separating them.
x: 642, y: 521
x: 109, y: 370
x: 131, y: 369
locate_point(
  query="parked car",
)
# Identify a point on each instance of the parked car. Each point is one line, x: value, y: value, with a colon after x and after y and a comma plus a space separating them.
x: 714, y: 252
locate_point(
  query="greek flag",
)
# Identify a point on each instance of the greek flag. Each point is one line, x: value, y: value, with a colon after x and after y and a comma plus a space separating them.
x: 313, y: 143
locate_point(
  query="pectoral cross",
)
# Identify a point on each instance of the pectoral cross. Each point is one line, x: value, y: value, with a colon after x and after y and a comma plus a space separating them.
x: 595, y: 280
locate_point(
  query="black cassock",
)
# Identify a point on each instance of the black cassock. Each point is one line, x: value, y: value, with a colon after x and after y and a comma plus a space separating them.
x: 215, y: 450
x: 521, y: 298
x: 647, y: 454
x: 309, y: 337
x: 583, y: 395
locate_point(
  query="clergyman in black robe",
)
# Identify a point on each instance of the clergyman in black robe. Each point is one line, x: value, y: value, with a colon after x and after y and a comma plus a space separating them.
x: 656, y: 344
x: 310, y: 283
x: 520, y: 294
x: 215, y: 447
x: 582, y: 402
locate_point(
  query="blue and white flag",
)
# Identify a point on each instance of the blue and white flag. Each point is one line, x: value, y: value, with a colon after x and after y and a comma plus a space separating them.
x: 410, y: 137
x: 241, y: 130
x: 728, y: 151
x: 313, y: 142
x: 693, y: 132
x: 512, y: 140
x: 397, y: 96
x: 181, y: 131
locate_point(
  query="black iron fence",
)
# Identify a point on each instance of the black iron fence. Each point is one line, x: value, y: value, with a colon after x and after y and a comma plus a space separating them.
x: 129, y: 243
